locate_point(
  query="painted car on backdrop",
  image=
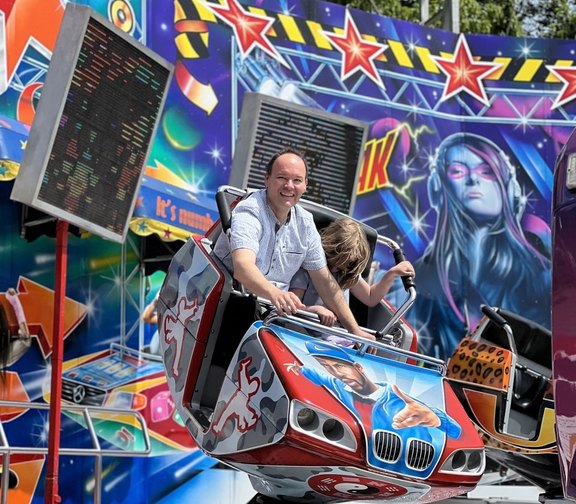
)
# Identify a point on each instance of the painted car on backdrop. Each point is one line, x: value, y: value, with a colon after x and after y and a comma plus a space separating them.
x: 122, y: 378
x: 267, y: 395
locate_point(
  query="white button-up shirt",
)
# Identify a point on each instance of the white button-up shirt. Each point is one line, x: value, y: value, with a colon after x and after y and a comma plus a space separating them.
x: 281, y: 249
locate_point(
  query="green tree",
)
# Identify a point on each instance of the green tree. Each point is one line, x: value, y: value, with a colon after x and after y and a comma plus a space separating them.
x: 531, y: 18
x: 548, y: 18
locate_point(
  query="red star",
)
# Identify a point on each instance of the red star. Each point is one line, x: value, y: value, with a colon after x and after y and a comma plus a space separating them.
x: 249, y: 29
x: 357, y: 53
x: 464, y: 74
x: 568, y: 92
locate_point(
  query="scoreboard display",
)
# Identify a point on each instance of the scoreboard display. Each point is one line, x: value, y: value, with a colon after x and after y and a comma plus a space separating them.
x: 96, y: 118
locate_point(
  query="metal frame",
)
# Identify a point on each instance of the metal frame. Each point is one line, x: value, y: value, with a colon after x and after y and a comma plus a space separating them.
x: 97, y: 451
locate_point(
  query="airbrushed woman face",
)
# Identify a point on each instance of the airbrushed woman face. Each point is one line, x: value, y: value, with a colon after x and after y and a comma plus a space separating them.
x: 473, y: 182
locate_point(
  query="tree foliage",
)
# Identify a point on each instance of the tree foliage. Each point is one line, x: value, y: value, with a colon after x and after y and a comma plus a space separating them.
x: 530, y: 18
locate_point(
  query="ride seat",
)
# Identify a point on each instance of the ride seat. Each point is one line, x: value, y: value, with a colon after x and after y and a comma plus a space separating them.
x: 533, y: 367
x: 234, y: 314
x: 533, y: 342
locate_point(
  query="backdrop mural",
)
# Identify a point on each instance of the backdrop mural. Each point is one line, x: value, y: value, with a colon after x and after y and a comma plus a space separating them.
x: 464, y: 133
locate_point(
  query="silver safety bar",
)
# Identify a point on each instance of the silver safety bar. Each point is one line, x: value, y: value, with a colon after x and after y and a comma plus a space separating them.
x: 408, y: 302
x: 310, y: 320
x: 96, y: 451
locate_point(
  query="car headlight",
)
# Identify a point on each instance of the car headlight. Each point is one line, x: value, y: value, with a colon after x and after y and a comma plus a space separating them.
x: 321, y: 425
x: 465, y: 462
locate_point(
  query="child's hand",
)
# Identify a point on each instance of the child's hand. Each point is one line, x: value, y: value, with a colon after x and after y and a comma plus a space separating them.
x: 326, y: 317
x: 403, y: 268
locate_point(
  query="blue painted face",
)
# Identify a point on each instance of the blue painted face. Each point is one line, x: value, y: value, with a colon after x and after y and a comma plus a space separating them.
x: 474, y: 183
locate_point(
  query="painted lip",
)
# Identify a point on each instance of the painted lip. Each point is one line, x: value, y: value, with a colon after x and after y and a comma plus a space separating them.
x: 474, y: 194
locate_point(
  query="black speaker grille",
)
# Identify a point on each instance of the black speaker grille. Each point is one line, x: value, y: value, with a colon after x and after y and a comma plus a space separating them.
x: 332, y: 149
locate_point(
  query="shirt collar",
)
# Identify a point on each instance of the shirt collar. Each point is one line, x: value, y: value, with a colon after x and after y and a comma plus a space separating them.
x: 273, y: 215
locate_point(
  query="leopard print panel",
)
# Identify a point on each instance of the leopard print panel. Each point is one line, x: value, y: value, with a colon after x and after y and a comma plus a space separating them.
x: 480, y: 362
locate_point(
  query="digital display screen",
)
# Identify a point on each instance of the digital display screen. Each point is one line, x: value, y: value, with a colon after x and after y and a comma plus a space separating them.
x: 108, y: 119
x: 96, y: 118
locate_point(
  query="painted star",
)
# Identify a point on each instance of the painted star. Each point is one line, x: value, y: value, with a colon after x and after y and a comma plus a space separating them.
x: 357, y: 53
x: 249, y: 29
x: 464, y: 73
x: 568, y: 92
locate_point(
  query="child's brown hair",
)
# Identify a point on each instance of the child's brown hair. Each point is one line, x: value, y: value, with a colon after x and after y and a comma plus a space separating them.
x: 347, y: 250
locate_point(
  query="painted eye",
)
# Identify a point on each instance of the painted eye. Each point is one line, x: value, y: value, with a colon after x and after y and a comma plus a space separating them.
x: 456, y: 171
x: 486, y: 173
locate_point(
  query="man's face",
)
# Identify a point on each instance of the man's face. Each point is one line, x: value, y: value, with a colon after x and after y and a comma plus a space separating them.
x: 351, y: 374
x: 285, y: 184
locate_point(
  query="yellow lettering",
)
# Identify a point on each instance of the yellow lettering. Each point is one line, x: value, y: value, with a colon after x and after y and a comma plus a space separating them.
x: 377, y: 154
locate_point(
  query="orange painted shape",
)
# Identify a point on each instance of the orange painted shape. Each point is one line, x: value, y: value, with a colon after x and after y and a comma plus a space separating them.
x: 374, y: 172
x: 38, y: 305
x: 27, y: 477
x: 164, y: 174
x: 12, y: 389
x: 30, y: 22
x: 25, y: 108
x: 484, y: 407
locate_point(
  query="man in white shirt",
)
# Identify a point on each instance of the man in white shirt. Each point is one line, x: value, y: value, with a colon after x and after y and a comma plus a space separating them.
x: 271, y: 237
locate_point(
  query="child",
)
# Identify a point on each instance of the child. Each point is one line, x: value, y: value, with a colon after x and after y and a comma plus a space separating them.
x: 12, y: 347
x: 150, y: 316
x: 347, y: 253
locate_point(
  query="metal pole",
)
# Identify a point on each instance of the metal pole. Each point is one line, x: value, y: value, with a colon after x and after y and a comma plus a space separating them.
x: 424, y: 11
x: 51, y: 485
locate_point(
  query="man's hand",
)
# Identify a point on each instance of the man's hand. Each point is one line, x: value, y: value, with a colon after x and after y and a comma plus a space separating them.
x: 285, y: 302
x: 364, y: 334
x: 324, y: 314
x: 413, y: 414
x: 372, y: 349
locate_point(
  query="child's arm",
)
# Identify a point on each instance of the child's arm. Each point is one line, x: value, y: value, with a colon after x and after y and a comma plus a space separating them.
x: 150, y: 314
x: 371, y: 295
x: 324, y: 314
x: 326, y: 317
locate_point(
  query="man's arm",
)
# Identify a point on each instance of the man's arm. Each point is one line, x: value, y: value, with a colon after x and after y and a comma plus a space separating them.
x: 418, y: 414
x: 248, y: 274
x: 331, y: 294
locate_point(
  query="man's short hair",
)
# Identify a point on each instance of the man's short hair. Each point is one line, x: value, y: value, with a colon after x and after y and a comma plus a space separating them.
x: 327, y: 350
x: 286, y: 150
